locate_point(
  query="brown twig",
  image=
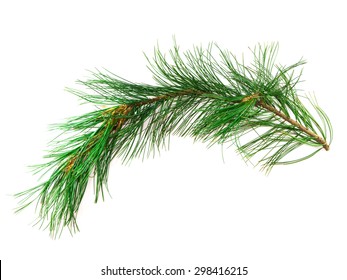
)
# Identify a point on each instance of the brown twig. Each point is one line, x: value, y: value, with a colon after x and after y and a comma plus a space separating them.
x: 272, y: 109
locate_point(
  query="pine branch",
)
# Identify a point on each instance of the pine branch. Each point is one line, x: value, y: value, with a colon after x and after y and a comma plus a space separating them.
x: 256, y: 108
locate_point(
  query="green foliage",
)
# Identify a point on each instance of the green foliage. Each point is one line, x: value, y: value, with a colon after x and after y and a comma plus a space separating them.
x: 215, y: 99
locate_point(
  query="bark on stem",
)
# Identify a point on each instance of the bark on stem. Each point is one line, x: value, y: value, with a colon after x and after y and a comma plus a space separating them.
x: 319, y: 139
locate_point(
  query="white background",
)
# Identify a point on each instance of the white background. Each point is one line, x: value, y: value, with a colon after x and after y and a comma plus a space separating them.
x: 186, y: 207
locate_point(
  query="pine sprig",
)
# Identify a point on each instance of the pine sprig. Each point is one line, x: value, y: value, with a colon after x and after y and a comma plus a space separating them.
x: 216, y: 100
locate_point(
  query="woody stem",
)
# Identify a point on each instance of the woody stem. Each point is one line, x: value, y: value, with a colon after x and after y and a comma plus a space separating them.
x: 272, y: 109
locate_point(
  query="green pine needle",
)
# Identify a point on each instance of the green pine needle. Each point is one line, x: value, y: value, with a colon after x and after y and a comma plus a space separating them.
x: 215, y: 99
